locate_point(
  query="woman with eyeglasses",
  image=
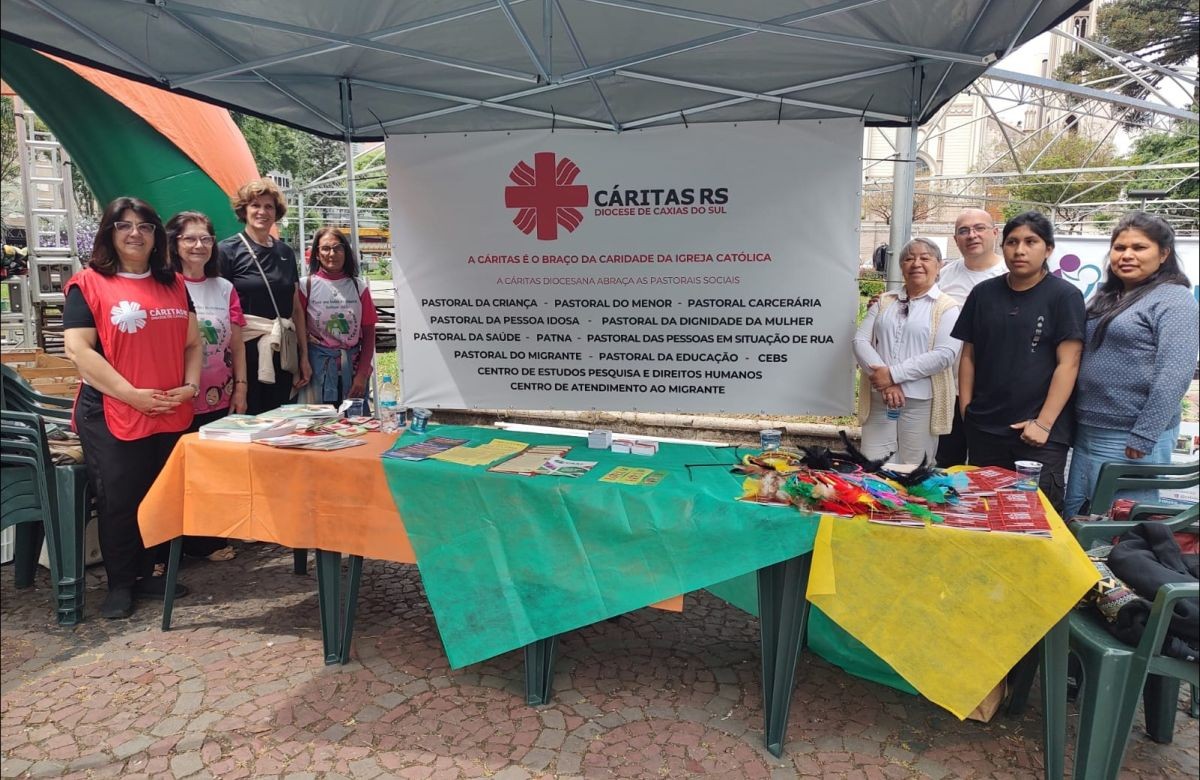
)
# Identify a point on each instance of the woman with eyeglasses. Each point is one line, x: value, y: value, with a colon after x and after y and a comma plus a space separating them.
x: 906, y: 356
x: 192, y: 246
x: 340, y: 320
x: 264, y: 273
x: 1138, y: 359
x: 1022, y: 335
x: 130, y: 328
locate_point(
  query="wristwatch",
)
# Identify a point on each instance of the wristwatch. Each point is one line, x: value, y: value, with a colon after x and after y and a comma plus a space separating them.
x: 195, y: 388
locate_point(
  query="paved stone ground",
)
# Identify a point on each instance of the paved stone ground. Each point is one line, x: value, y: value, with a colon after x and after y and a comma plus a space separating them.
x: 238, y: 689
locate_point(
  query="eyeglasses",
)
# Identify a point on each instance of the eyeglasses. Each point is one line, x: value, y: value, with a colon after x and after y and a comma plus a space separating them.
x: 968, y: 230
x: 336, y: 249
x: 193, y: 240
x: 145, y: 228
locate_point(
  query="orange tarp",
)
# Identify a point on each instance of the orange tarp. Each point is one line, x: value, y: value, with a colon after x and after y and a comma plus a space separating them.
x: 337, y: 501
x: 204, y: 132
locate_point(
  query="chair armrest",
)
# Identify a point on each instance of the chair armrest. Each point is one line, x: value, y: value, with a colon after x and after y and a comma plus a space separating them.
x: 53, y: 401
x: 1145, y: 510
x: 1086, y: 533
x: 1101, y: 530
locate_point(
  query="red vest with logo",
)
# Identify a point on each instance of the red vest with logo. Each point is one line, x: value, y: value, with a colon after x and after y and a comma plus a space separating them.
x: 142, y: 326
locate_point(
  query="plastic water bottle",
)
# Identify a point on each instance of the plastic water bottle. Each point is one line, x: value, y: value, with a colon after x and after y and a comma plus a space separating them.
x: 893, y: 413
x: 387, y: 406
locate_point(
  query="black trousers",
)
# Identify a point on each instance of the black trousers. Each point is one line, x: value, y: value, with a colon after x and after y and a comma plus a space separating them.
x: 121, y: 473
x: 262, y: 397
x: 952, y: 447
x: 988, y: 449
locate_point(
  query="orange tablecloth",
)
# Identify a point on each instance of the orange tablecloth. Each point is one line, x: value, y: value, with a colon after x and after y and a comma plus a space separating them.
x: 337, y: 501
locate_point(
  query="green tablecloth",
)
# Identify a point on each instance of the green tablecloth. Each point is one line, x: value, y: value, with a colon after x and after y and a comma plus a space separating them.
x: 507, y: 559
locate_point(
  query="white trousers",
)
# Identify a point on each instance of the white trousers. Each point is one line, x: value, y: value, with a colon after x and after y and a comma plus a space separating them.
x: 907, y: 437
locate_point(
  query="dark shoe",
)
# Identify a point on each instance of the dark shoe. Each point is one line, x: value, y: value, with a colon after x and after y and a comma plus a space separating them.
x: 118, y: 604
x: 156, y: 588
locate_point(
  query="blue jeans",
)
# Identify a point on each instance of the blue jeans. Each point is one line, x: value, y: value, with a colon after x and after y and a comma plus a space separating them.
x: 1096, y: 446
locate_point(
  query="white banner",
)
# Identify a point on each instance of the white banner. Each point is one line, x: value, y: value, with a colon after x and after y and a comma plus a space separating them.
x: 1083, y: 260
x: 709, y: 268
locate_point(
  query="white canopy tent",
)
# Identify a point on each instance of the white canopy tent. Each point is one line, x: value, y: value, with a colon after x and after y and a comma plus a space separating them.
x: 360, y: 70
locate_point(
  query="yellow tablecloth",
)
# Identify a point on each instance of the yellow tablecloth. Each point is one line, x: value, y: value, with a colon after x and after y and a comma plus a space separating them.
x: 950, y: 610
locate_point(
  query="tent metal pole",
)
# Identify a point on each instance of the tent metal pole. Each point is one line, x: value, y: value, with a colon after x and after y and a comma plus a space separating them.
x: 300, y: 225
x: 351, y: 194
x: 903, y: 186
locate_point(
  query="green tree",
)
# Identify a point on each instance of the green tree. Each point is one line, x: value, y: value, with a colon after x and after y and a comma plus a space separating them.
x: 1174, y: 147
x: 1051, y: 191
x: 1163, y: 31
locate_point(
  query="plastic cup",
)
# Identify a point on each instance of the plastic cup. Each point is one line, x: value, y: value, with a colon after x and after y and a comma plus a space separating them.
x: 357, y: 407
x: 770, y: 439
x: 420, y: 420
x: 1029, y: 472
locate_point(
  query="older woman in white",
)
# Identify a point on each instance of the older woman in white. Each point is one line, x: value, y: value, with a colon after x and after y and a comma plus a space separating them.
x: 907, y: 357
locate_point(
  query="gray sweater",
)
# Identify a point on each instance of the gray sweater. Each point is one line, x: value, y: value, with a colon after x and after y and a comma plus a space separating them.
x: 1135, y: 380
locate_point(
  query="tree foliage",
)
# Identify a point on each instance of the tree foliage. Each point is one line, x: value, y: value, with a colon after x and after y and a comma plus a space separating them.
x: 1179, y: 146
x: 278, y: 147
x: 877, y: 205
x: 1162, y: 31
x: 1048, y: 192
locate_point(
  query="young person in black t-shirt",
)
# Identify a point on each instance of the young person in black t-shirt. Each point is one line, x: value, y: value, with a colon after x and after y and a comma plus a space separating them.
x: 1022, y: 337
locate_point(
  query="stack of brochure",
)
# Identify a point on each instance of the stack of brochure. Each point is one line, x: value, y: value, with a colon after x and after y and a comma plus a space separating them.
x: 311, y: 441
x: 303, y: 416
x: 241, y: 427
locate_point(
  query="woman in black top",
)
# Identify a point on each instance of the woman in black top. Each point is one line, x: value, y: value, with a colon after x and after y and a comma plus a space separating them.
x: 259, y: 204
x: 1022, y: 337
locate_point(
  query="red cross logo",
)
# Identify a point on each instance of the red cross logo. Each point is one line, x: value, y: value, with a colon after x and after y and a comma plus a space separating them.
x: 546, y: 196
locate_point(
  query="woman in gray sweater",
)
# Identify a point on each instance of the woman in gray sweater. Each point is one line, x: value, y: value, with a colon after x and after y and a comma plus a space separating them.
x: 1138, y: 359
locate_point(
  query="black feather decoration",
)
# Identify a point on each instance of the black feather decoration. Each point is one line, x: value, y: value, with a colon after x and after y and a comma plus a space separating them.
x: 855, y: 455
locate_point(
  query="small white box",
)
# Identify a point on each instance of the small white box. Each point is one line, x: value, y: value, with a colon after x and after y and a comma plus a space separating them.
x: 622, y: 446
x: 599, y: 440
x: 644, y: 448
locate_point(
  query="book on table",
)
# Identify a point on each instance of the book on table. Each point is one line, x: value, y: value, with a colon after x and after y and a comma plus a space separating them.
x: 243, y: 427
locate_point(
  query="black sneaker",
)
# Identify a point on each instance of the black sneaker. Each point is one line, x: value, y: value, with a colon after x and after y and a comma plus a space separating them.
x: 118, y: 604
x: 156, y: 588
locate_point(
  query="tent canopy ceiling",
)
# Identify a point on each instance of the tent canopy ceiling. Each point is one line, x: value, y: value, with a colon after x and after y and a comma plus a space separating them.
x: 613, y: 65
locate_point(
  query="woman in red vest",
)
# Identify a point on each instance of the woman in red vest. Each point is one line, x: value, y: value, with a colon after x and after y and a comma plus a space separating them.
x: 130, y: 328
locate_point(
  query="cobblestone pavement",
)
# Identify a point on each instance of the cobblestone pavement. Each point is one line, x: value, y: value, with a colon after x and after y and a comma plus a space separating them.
x: 239, y: 689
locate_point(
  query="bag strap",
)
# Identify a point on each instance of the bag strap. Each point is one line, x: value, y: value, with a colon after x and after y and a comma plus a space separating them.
x: 258, y: 265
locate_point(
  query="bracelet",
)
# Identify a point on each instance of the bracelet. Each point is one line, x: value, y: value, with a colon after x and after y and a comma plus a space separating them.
x: 195, y: 388
x: 239, y: 381
x: 1038, y: 424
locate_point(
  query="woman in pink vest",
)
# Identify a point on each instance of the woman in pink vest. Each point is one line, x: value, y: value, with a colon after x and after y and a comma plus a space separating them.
x: 340, y: 320
x: 130, y: 328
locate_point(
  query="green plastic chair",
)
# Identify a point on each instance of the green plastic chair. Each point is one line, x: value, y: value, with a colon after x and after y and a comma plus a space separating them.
x: 1121, y: 475
x: 1115, y: 675
x: 18, y: 395
x: 40, y: 498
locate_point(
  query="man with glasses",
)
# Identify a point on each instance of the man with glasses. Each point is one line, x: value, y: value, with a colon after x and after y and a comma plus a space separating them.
x: 975, y: 234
